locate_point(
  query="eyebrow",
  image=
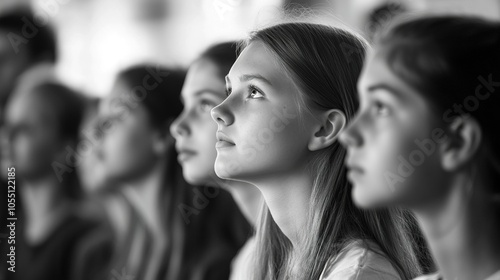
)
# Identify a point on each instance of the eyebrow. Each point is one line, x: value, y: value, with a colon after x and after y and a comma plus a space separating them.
x: 385, y: 87
x: 209, y: 91
x: 248, y: 77
x: 202, y: 92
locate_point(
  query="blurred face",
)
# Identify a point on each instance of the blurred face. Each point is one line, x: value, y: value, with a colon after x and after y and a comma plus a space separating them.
x: 194, y: 130
x: 260, y: 134
x: 127, y: 148
x: 90, y: 168
x: 392, y: 142
x: 33, y: 142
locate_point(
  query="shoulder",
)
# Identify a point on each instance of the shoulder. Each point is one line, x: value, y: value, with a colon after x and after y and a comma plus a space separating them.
x: 241, y: 264
x: 359, y: 261
x: 433, y: 276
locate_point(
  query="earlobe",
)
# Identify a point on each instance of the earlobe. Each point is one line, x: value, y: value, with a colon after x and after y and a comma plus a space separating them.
x: 331, y: 123
x: 463, y: 143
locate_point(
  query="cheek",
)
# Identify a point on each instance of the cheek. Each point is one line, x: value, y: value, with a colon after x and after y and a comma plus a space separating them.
x: 265, y: 146
x: 200, y: 168
x: 381, y: 148
x: 126, y: 146
x: 397, y: 168
x: 35, y: 151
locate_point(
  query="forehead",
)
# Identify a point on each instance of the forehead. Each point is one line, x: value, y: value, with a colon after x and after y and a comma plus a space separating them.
x: 203, y: 75
x: 118, y: 99
x: 120, y: 104
x: 377, y: 72
x: 257, y: 58
x: 28, y: 107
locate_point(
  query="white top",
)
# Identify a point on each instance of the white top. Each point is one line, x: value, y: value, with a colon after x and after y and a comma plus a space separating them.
x: 436, y: 276
x: 358, y: 262
x: 241, y: 265
x: 433, y: 276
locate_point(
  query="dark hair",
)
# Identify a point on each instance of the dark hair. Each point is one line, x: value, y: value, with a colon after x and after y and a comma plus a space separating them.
x: 68, y: 107
x: 160, y: 95
x: 41, y: 46
x: 223, y: 55
x: 449, y: 60
x: 325, y: 64
x: 382, y: 15
x: 206, y: 257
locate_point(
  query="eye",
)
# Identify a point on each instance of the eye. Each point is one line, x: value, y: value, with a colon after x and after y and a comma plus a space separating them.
x: 107, y: 123
x: 380, y: 109
x: 206, y: 106
x: 255, y: 92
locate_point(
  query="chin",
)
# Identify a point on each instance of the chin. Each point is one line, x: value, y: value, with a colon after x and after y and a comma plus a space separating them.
x: 226, y: 168
x: 362, y: 199
x: 222, y: 173
x: 194, y: 178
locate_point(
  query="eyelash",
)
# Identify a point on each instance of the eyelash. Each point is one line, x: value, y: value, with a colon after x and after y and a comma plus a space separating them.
x: 254, y: 88
x: 204, y: 103
x: 250, y: 89
x: 378, y: 106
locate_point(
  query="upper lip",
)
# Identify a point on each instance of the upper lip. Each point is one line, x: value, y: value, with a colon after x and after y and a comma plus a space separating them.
x: 181, y: 150
x: 353, y: 166
x: 223, y: 137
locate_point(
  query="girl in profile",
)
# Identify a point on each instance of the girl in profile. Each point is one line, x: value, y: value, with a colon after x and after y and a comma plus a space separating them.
x: 194, y: 131
x: 164, y: 228
x: 426, y: 137
x: 290, y: 93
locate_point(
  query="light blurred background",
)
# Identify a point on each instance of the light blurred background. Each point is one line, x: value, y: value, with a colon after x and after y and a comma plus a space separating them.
x: 97, y: 38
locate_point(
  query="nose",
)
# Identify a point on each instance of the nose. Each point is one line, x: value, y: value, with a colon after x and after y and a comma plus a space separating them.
x: 179, y: 126
x: 351, y: 136
x: 221, y: 114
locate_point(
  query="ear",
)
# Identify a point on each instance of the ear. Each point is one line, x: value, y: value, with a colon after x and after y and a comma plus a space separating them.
x: 464, y: 138
x: 163, y: 139
x: 328, y: 129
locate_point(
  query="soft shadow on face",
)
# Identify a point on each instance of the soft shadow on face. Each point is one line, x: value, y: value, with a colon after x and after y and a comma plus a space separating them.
x: 34, y: 141
x: 126, y: 149
x: 390, y: 158
x: 194, y: 130
x: 259, y: 124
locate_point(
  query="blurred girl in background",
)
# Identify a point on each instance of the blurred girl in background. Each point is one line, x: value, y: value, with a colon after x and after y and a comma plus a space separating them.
x: 54, y: 239
x: 194, y: 131
x: 290, y: 93
x: 157, y: 238
x: 426, y: 137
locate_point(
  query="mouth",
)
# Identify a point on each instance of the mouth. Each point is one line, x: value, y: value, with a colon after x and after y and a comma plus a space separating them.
x: 223, y: 141
x: 354, y: 171
x: 185, y: 154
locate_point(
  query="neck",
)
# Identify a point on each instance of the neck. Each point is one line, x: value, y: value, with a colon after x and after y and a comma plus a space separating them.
x: 463, y: 232
x: 287, y: 197
x: 144, y: 194
x: 43, y: 207
x: 248, y: 198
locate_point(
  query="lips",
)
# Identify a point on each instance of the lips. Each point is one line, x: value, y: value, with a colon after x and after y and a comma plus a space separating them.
x: 184, y: 154
x: 223, y: 141
x: 355, y: 171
